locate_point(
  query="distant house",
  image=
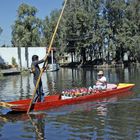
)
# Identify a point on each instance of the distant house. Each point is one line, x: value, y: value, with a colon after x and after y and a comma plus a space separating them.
x: 66, y: 58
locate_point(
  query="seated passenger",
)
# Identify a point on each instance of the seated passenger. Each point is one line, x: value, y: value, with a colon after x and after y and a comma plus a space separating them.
x: 101, y: 83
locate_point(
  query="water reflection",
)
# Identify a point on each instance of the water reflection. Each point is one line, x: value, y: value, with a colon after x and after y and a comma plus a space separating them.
x: 92, y: 120
x: 22, y: 87
x: 102, y: 110
x: 51, y: 81
x: 110, y: 118
x: 36, y: 127
x: 38, y: 122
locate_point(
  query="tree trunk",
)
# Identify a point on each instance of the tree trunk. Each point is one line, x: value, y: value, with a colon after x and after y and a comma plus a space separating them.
x: 71, y: 57
x: 27, y: 56
x: 19, y: 57
x: 83, y: 55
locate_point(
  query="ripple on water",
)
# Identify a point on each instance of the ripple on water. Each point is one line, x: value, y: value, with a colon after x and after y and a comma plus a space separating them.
x: 109, y: 119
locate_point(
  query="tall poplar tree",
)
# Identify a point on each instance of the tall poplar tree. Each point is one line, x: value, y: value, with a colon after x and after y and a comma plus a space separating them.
x: 26, y: 30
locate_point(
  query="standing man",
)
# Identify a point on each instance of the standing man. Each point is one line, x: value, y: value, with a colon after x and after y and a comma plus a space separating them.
x: 35, y: 69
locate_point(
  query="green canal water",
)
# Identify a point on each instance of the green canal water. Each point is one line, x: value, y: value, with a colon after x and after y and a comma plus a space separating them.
x: 114, y: 118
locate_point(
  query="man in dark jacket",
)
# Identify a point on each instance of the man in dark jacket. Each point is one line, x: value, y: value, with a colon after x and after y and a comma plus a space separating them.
x: 35, y: 69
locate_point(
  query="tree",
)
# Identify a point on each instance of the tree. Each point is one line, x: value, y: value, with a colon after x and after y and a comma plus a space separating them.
x: 123, y: 20
x: 133, y: 28
x: 27, y: 27
x: 49, y: 25
x: 79, y: 25
x: 106, y: 28
x: 26, y: 31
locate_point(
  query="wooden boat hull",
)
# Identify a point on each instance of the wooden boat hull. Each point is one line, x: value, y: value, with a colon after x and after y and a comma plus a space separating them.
x: 54, y: 101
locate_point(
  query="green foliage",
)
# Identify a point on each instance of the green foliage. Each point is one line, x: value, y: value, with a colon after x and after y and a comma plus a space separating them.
x: 48, y: 28
x: 99, y: 26
x: 95, y: 27
x: 14, y: 63
x: 26, y: 30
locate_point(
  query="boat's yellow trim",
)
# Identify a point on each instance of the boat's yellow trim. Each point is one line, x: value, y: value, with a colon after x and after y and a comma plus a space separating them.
x: 121, y: 85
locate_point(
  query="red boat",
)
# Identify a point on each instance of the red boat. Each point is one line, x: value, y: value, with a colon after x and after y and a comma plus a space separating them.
x: 53, y: 101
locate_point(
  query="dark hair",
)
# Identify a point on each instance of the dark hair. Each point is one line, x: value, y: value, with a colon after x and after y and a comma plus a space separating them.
x: 34, y: 57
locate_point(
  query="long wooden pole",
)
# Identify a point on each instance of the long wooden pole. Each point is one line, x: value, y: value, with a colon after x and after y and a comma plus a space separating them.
x: 49, y: 49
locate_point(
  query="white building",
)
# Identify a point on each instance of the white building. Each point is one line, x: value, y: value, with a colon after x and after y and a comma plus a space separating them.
x: 6, y: 55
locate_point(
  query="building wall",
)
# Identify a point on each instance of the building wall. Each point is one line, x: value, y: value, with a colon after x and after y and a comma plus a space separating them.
x: 7, y: 53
